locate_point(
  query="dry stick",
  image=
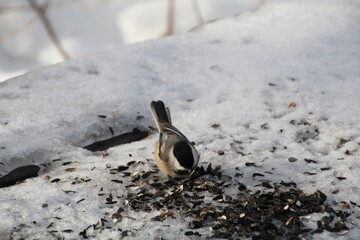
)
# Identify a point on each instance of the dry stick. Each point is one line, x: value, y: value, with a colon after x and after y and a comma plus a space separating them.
x: 40, y: 11
x: 16, y: 31
x: 197, y: 12
x: 170, y: 18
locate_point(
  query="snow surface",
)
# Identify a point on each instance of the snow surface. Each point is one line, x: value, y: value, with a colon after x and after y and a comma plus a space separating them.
x: 86, y: 27
x: 241, y: 72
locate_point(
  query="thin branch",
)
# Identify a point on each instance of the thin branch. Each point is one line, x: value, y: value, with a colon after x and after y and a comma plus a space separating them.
x: 41, y: 12
x: 16, y: 31
x: 170, y: 18
x: 197, y: 12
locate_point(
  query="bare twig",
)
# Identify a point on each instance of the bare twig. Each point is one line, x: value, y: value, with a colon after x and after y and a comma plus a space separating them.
x: 16, y: 31
x: 197, y: 12
x: 170, y: 18
x: 12, y: 33
x: 41, y: 12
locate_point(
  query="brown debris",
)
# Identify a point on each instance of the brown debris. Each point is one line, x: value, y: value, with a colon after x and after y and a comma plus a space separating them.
x: 216, y: 201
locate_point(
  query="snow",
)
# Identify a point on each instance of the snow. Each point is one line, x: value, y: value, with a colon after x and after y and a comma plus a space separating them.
x: 281, y: 81
x: 103, y: 25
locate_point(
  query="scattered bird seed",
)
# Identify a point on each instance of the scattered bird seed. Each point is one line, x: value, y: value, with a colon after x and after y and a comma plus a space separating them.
x: 336, y: 191
x: 220, y: 152
x: 113, y: 171
x: 111, y: 130
x: 55, y: 180
x: 71, y: 169
x: 122, y: 168
x: 215, y: 125
x: 309, y: 160
x: 210, y: 199
x: 266, y: 184
x: 325, y: 168
x: 288, y: 184
x: 258, y: 175
x: 69, y: 191
x: 117, y: 181
x: 341, y: 178
x: 341, y: 143
x: 292, y: 105
x: 131, y: 163
x: 250, y: 164
x: 337, y: 174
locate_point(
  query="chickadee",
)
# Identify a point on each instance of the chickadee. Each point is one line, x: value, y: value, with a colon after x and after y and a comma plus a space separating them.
x: 174, y: 154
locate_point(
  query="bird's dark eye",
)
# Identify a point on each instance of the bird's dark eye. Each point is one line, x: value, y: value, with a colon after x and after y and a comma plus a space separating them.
x: 184, y: 154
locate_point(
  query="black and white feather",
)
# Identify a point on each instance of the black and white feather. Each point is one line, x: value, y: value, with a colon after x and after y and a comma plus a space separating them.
x: 175, y: 151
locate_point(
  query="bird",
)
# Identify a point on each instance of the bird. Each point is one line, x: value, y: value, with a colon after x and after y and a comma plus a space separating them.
x: 174, y: 154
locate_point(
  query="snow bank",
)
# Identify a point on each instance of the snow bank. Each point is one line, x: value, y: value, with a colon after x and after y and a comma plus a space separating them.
x: 89, y: 27
x: 278, y: 85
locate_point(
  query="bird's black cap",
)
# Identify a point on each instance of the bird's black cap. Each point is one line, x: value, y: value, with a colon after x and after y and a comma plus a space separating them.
x: 184, y: 154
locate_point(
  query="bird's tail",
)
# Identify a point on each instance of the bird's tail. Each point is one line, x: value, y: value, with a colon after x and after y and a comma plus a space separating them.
x: 160, y: 113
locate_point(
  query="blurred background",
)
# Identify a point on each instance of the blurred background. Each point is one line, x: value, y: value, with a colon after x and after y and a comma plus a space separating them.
x: 36, y: 33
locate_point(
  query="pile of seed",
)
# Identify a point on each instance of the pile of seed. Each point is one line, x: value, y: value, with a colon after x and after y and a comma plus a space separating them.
x: 211, y: 199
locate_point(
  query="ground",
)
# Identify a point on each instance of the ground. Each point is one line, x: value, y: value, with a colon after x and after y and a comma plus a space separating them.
x: 269, y: 95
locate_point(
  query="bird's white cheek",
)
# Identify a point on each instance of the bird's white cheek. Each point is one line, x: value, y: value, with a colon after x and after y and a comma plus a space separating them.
x: 173, y: 162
